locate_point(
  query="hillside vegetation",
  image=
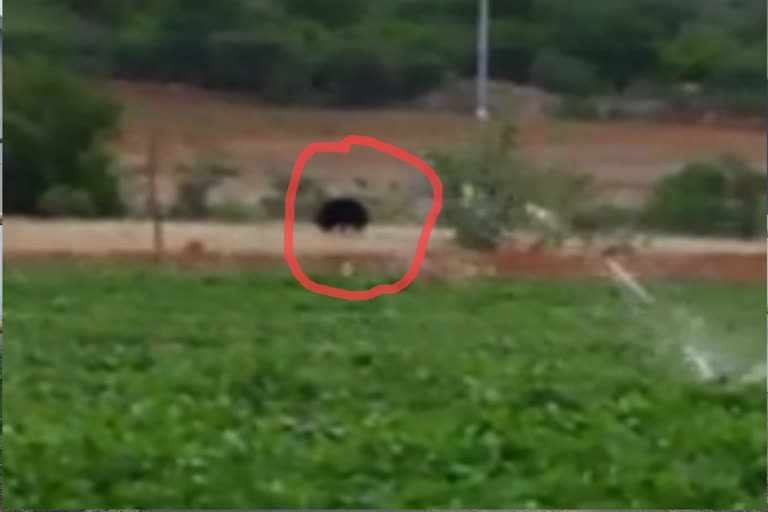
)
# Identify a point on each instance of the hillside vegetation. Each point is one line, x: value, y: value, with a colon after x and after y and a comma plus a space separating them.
x: 360, y: 52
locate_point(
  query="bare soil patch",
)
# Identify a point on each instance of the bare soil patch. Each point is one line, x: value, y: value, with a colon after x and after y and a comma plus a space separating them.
x: 264, y: 139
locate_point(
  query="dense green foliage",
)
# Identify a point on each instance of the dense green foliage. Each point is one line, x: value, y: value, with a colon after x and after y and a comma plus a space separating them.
x: 362, y: 52
x: 725, y: 196
x: 486, y: 184
x: 136, y: 388
x: 57, y: 162
x: 483, y: 183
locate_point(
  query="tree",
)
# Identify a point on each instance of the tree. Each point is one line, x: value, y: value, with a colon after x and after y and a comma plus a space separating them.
x: 333, y: 13
x: 697, y: 51
x: 358, y: 74
x: 513, y: 46
x: 563, y: 73
x: 613, y: 36
x: 59, y: 127
x: 269, y: 64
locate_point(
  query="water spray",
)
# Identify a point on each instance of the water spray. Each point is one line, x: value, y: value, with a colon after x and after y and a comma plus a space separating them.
x: 548, y: 221
x: 626, y: 279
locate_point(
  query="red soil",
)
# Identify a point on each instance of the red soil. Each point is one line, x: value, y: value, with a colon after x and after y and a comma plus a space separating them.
x: 728, y: 267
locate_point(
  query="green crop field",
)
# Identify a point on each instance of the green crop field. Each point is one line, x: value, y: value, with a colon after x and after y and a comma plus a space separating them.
x: 131, y: 387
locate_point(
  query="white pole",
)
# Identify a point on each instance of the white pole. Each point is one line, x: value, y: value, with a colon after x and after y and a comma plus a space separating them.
x: 481, y: 110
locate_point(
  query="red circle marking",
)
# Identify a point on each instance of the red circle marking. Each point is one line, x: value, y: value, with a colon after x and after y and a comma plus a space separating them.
x: 426, y: 230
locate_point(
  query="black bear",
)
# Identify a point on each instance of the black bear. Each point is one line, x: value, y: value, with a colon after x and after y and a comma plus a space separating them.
x: 342, y: 212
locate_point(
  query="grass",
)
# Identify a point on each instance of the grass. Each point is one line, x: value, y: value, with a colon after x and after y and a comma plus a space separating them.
x: 128, y: 387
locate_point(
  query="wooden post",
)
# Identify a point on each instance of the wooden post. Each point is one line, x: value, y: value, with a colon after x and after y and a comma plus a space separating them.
x: 154, y: 203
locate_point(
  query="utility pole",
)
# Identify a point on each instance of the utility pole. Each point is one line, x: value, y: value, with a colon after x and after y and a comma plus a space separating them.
x: 155, y: 209
x: 481, y: 110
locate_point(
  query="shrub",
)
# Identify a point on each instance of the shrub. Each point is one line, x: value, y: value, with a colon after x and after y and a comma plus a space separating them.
x: 60, y: 128
x: 566, y: 192
x: 486, y: 185
x: 717, y: 197
x: 478, y: 184
x: 66, y: 201
x: 559, y: 72
x: 231, y: 210
x: 195, y: 183
x: 479, y: 225
x: 309, y: 197
x: 574, y: 107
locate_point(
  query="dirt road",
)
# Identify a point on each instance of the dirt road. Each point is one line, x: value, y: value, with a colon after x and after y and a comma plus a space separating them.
x: 382, y: 247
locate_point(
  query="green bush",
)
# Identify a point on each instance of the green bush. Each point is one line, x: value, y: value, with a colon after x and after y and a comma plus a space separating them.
x: 66, y: 201
x: 486, y: 186
x: 60, y: 128
x: 231, y: 210
x: 559, y: 72
x: 479, y: 225
x: 482, y: 183
x: 717, y: 197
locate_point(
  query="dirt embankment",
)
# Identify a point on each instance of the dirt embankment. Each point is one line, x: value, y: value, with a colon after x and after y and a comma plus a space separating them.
x: 622, y: 155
